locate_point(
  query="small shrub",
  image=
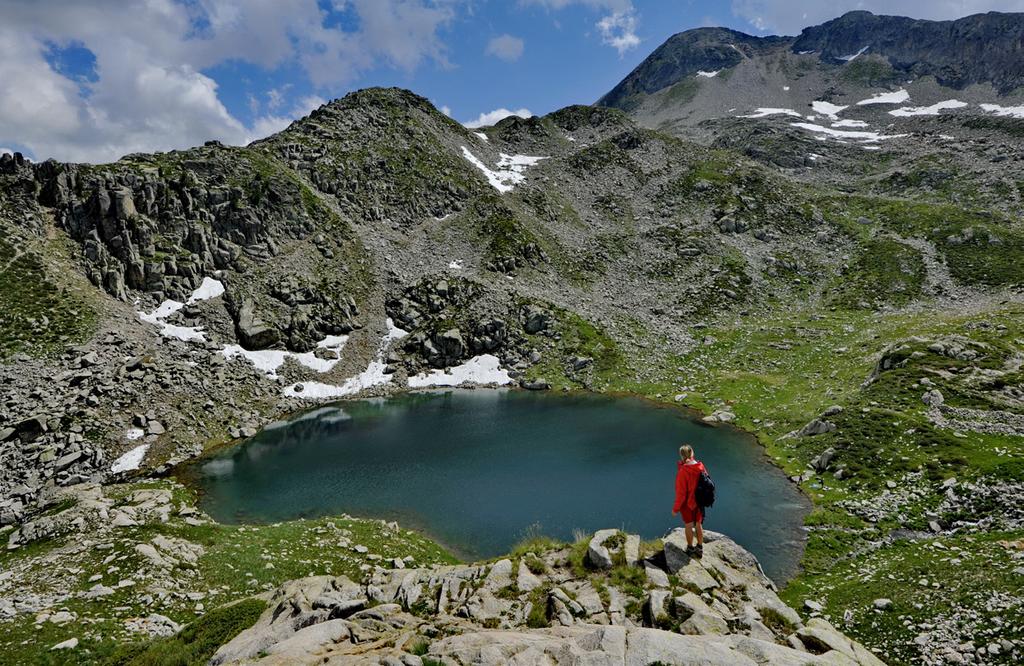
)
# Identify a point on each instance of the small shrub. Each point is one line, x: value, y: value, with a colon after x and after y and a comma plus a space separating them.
x: 775, y: 621
x: 197, y: 642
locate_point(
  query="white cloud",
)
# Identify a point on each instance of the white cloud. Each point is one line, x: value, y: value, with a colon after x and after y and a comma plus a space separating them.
x: 149, y: 92
x: 789, y: 17
x: 492, y: 117
x: 505, y: 47
x: 4, y: 150
x: 446, y: 110
x: 618, y: 30
x: 606, y: 5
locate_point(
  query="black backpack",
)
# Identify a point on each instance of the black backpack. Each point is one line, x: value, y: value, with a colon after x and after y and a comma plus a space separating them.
x: 705, y: 491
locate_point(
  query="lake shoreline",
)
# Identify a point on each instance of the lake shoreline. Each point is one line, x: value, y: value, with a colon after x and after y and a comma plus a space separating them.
x: 187, y: 472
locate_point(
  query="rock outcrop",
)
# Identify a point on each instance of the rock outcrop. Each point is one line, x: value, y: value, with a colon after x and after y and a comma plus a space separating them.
x: 559, y: 606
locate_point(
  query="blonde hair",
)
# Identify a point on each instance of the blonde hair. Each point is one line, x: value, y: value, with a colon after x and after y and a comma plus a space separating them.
x: 685, y: 452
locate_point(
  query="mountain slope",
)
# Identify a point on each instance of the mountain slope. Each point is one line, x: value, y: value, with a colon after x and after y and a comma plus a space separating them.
x: 854, y: 300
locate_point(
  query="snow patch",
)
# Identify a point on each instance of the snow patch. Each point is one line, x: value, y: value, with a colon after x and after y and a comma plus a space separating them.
x: 1012, y: 111
x: 210, y: 288
x: 827, y: 109
x: 785, y: 88
x: 708, y: 75
x: 845, y: 134
x: 269, y: 360
x: 483, y: 369
x: 131, y: 460
x: 849, y: 123
x: 374, y: 375
x: 932, y: 110
x: 455, y: 265
x: 133, y: 434
x: 856, y: 55
x: 768, y: 111
x: 897, y: 97
x: 481, y: 136
x: 509, y: 171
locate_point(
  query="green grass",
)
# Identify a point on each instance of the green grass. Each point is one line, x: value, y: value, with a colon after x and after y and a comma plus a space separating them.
x: 196, y: 643
x: 40, y: 312
x: 885, y: 272
x: 239, y: 561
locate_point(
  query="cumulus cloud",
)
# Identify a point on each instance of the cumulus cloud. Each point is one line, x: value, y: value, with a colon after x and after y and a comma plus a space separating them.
x: 149, y: 91
x: 6, y: 151
x: 505, y: 47
x: 789, y: 17
x: 618, y: 30
x: 492, y: 117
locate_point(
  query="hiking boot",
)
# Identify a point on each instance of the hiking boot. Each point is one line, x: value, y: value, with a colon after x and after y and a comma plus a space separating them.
x: 690, y: 550
x: 698, y: 551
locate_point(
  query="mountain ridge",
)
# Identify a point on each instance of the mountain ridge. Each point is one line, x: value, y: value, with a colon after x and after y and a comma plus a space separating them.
x: 981, y: 48
x: 842, y: 281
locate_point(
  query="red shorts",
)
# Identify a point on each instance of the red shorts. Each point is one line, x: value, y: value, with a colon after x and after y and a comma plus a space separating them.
x: 692, y: 515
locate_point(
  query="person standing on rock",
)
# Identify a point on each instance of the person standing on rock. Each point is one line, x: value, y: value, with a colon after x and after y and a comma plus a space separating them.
x: 687, y: 477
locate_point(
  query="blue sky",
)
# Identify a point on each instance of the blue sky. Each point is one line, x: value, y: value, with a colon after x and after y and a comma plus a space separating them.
x: 93, y: 81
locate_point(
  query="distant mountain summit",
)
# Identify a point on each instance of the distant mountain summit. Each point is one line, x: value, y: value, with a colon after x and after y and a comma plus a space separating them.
x: 856, y: 48
x: 982, y: 48
x: 685, y: 55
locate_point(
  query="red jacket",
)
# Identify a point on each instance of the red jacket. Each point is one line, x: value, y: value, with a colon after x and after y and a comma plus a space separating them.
x: 686, y: 485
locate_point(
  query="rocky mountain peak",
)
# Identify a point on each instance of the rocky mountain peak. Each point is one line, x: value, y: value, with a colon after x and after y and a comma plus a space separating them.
x: 974, y: 49
x: 684, y: 55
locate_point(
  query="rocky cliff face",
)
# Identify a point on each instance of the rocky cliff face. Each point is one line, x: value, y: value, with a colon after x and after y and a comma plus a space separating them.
x: 599, y: 602
x: 983, y: 48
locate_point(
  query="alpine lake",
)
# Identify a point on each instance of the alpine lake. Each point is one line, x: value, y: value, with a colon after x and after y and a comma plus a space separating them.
x: 478, y: 470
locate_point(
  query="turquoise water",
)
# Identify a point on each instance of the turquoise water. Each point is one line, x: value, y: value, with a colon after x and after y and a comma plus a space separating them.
x: 477, y: 470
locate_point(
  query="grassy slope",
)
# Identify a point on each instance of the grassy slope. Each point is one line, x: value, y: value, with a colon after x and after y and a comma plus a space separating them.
x: 239, y: 561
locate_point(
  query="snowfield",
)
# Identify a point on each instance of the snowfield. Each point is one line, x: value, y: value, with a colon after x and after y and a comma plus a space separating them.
x: 509, y: 171
x: 827, y: 109
x: 373, y: 375
x: 897, y: 97
x: 1012, y: 111
x: 483, y: 369
x: 768, y: 111
x: 209, y: 288
x: 932, y: 110
x: 130, y: 460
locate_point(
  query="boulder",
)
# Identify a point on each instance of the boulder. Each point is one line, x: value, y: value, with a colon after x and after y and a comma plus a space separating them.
x: 819, y: 636
x: 535, y: 319
x: 598, y: 555
x: 252, y: 332
x: 821, y: 463
x: 526, y: 580
x: 816, y: 427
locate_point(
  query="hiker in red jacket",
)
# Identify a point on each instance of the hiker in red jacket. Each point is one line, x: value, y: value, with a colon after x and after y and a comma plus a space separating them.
x: 686, y: 499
